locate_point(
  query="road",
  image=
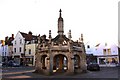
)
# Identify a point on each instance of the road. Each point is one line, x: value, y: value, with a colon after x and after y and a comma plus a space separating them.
x: 27, y: 73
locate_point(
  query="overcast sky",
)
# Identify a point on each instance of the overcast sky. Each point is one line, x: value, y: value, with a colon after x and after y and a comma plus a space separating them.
x: 96, y: 19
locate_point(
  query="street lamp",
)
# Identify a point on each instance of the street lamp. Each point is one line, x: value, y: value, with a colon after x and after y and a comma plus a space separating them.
x: 119, y: 53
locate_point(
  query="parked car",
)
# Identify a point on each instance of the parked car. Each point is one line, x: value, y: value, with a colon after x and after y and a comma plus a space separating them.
x: 11, y: 63
x: 118, y: 65
x: 0, y: 64
x: 4, y: 64
x: 93, y: 66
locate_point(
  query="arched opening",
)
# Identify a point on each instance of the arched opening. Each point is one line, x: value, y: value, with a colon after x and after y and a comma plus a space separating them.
x: 43, y: 60
x: 60, y: 63
x: 76, y: 62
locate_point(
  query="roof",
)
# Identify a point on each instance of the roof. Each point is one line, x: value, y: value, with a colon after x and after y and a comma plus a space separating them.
x: 9, y: 41
x: 29, y: 36
x: 77, y: 44
x: 60, y: 39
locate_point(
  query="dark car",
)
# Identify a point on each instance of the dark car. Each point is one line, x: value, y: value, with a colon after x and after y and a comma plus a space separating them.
x: 93, y: 66
x: 3, y: 64
x: 11, y: 63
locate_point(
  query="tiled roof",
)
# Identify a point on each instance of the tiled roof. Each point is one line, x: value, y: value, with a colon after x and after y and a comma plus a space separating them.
x: 28, y: 37
x: 9, y: 41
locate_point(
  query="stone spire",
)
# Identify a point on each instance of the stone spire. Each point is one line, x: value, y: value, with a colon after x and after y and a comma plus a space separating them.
x: 69, y: 34
x: 60, y: 12
x: 60, y: 24
x: 50, y: 37
x: 50, y: 34
x: 81, y: 37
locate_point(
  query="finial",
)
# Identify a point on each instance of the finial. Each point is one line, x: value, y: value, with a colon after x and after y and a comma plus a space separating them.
x: 49, y: 33
x: 60, y: 12
x: 39, y: 39
x: 69, y: 35
x: 82, y: 37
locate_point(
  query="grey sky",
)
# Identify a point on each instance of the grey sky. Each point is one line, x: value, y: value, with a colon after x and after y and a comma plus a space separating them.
x: 96, y: 19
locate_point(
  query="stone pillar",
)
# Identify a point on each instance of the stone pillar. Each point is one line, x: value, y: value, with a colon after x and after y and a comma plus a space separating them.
x: 70, y: 70
x: 49, y: 65
x: 98, y: 60
x: 83, y: 62
x: 60, y: 62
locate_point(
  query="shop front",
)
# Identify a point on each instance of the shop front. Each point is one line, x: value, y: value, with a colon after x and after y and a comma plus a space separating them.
x: 108, y: 60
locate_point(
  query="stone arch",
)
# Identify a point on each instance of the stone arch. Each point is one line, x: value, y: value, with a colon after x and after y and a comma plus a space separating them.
x: 76, y: 61
x: 60, y: 63
x: 43, y: 61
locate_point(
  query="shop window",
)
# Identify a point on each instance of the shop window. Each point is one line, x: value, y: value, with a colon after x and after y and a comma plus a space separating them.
x: 102, y: 61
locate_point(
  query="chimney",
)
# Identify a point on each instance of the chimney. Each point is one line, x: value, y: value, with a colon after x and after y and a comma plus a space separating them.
x: 43, y: 37
x: 30, y: 32
x: 30, y: 35
x: 6, y: 40
x: 12, y: 36
x: 2, y: 42
x: 50, y: 34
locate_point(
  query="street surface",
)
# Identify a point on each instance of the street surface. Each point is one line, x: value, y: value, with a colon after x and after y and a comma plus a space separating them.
x: 27, y: 73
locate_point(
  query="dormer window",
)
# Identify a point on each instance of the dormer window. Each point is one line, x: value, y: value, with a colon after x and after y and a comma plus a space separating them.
x: 20, y: 41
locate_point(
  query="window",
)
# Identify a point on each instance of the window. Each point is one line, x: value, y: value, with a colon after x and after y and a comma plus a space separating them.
x: 3, y: 48
x: 104, y: 51
x: 33, y: 41
x: 5, y: 54
x: 15, y: 50
x: 109, y: 51
x: 29, y: 51
x: 20, y: 49
x: 20, y: 41
x: 2, y: 53
x: 25, y: 49
x: 88, y: 46
x: 15, y: 42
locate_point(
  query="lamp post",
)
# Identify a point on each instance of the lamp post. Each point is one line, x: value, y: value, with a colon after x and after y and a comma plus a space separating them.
x: 119, y: 54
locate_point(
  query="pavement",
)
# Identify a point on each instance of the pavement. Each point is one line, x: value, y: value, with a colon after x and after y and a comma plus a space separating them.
x: 27, y: 73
